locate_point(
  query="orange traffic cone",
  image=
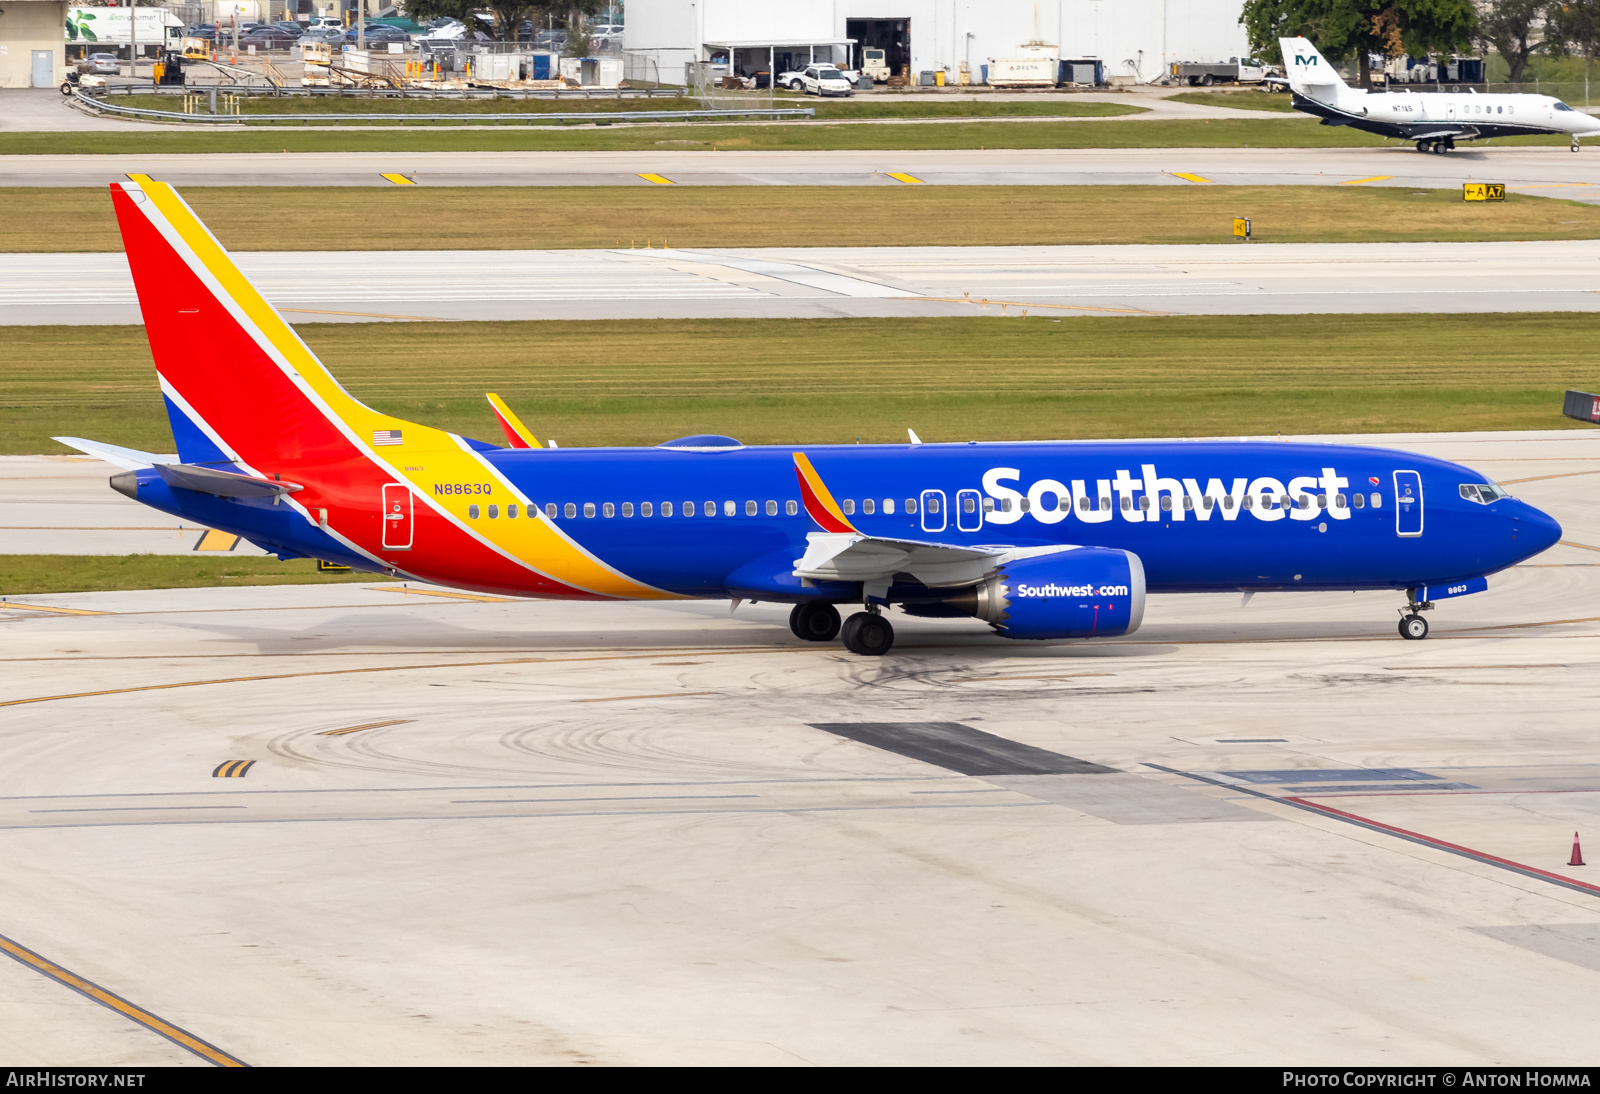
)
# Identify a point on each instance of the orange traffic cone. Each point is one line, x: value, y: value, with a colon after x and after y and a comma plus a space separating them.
x: 1577, y: 852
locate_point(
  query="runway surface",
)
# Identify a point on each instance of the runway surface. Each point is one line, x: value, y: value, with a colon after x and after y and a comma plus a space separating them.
x: 489, y: 831
x: 1554, y: 171
x: 1224, y: 279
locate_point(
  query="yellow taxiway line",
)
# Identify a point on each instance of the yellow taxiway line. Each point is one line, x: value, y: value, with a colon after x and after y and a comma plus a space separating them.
x: 1374, y: 178
x: 440, y: 592
x: 113, y: 1001
x: 51, y: 611
x: 368, y: 725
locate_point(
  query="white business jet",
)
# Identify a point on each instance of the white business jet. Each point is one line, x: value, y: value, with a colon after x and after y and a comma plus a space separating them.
x: 1434, y: 121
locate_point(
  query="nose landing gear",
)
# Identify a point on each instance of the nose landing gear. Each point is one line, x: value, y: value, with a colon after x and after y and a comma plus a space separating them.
x: 1412, y: 626
x: 1574, y: 144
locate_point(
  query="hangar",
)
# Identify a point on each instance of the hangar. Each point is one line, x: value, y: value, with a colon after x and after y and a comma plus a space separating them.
x: 32, y: 42
x: 1133, y: 40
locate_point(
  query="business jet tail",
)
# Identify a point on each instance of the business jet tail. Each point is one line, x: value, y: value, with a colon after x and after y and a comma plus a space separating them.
x: 1308, y: 70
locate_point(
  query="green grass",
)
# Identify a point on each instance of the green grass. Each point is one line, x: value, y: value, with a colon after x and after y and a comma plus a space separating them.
x: 846, y: 110
x: 836, y: 380
x: 796, y: 136
x: 1278, y: 103
x: 23, y: 575
x: 490, y: 218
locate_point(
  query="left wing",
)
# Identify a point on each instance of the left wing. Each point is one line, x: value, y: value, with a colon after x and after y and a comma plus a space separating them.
x: 851, y: 556
x: 841, y: 552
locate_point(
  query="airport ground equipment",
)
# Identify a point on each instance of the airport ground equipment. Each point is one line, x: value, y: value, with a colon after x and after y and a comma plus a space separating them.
x: 1232, y: 71
x: 1433, y: 120
x: 1583, y: 406
x: 1041, y: 541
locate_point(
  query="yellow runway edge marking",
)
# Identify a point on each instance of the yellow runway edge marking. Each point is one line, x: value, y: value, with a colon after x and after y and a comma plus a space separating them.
x: 659, y: 180
x: 438, y: 592
x: 112, y: 1001
x: 368, y: 725
x: 1191, y: 178
x: 401, y: 180
x: 213, y: 540
x: 1374, y: 178
x: 901, y: 176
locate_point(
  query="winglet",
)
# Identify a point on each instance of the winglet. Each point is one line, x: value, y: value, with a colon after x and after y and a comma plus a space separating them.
x: 819, y: 503
x: 515, y: 431
x: 912, y: 433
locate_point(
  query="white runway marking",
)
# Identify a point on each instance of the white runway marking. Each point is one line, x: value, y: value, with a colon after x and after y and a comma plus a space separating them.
x: 1289, y: 278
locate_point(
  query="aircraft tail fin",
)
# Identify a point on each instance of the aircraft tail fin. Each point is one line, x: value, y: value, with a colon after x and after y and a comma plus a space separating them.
x: 241, y: 386
x: 1306, y: 68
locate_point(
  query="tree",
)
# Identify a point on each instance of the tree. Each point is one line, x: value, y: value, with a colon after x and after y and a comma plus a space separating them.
x: 508, y: 14
x: 1342, y: 29
x: 1574, y: 27
x: 1515, y: 29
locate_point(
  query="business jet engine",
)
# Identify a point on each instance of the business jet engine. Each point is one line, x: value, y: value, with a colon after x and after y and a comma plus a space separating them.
x: 1082, y: 592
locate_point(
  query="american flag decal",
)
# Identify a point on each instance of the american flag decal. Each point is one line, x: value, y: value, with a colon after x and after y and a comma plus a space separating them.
x: 385, y: 436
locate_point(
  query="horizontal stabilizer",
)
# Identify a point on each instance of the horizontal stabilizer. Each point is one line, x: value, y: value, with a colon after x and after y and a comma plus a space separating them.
x: 129, y: 459
x: 227, y: 484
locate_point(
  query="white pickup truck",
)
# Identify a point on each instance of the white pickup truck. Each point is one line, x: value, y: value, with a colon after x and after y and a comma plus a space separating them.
x: 817, y: 80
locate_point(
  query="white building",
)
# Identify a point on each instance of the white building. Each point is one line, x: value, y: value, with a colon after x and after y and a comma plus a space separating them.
x: 32, y: 42
x: 1131, y: 38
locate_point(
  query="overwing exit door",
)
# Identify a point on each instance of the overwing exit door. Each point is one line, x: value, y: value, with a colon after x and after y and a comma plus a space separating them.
x: 396, y: 517
x: 1407, y: 503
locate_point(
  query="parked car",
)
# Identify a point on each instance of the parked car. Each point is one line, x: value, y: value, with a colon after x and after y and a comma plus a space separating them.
x: 817, y: 80
x: 328, y: 21
x: 551, y: 39
x: 104, y: 64
x: 323, y: 34
x: 290, y: 24
x: 206, y: 31
x: 269, y: 38
x: 378, y: 34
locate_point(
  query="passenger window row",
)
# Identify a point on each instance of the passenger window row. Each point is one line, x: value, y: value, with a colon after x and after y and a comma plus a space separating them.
x: 569, y: 509
x: 1049, y: 503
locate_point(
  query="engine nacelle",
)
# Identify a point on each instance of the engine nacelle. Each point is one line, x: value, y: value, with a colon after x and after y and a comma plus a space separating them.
x: 1085, y: 592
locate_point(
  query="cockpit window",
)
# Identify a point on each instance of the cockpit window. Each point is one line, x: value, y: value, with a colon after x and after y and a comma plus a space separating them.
x: 1482, y: 492
x: 1562, y: 106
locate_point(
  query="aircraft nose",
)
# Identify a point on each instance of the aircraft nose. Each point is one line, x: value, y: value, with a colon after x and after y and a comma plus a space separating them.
x: 1535, y: 530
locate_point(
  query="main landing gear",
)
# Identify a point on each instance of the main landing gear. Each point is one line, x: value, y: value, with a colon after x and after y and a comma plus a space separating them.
x: 1412, y: 625
x: 865, y: 633
x: 868, y: 634
x: 1440, y: 146
x: 815, y: 621
x: 1574, y: 144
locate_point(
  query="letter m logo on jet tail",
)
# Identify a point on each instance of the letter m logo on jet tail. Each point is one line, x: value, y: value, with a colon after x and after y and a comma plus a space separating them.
x: 1301, y: 59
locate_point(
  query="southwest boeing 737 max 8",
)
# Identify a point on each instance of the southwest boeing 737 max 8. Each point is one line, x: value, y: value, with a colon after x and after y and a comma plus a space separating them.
x: 1040, y: 540
x: 1434, y: 121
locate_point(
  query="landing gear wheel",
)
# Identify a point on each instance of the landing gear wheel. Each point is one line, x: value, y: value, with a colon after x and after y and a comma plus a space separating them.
x: 1424, y: 146
x: 1574, y: 146
x: 1441, y: 147
x: 1413, y: 627
x: 815, y: 621
x: 867, y: 634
